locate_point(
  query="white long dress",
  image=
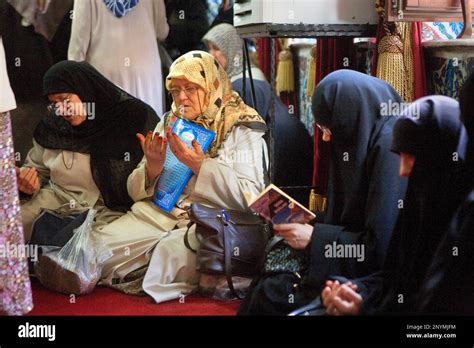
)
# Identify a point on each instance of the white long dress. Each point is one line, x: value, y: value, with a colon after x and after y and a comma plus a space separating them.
x: 230, y: 181
x: 124, y: 49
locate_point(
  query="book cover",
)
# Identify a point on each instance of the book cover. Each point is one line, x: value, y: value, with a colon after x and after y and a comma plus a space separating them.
x: 175, y: 175
x: 277, y: 207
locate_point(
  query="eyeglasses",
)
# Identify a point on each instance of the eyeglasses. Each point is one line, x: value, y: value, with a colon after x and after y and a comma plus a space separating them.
x: 54, y: 107
x: 324, y: 129
x: 189, y: 91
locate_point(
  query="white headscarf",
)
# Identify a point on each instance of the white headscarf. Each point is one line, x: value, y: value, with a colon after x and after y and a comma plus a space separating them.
x: 224, y: 36
x: 223, y: 108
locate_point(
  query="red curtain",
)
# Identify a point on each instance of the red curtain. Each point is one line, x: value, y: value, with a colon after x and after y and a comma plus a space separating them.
x: 418, y: 60
x: 332, y: 54
x: 264, y: 51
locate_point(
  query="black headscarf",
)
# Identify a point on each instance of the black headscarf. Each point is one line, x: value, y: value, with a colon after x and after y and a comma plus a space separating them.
x: 108, y: 135
x: 449, y: 285
x: 432, y: 131
x: 364, y: 187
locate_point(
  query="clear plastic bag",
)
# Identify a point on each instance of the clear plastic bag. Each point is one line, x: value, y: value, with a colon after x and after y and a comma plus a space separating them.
x: 76, y: 267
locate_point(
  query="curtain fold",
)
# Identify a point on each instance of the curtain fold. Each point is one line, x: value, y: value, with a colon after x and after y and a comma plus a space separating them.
x: 264, y: 58
x: 418, y: 61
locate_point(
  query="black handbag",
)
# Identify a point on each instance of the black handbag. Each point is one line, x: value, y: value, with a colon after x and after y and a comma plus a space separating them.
x: 231, y: 243
x: 51, y: 228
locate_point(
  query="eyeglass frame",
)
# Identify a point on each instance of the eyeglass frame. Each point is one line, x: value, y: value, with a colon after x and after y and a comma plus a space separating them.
x: 52, y: 106
x: 175, y: 92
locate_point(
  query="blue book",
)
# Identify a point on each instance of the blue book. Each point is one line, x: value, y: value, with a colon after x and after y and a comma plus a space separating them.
x: 175, y: 175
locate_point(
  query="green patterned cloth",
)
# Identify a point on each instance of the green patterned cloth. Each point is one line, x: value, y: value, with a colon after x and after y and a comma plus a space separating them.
x: 283, y: 258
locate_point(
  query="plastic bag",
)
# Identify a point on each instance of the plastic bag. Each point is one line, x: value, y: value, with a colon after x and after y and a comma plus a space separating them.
x: 76, y: 267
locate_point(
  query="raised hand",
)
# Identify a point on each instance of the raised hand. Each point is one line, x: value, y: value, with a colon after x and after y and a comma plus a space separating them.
x: 191, y: 157
x: 154, y: 148
x: 28, y: 181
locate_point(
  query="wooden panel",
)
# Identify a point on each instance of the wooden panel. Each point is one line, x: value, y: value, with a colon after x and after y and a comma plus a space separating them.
x: 439, y: 3
x: 413, y: 3
x: 424, y: 10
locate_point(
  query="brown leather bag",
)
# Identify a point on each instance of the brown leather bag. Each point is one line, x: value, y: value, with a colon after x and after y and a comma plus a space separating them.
x: 232, y: 243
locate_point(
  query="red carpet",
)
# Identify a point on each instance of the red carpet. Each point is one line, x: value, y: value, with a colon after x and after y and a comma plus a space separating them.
x: 105, y: 301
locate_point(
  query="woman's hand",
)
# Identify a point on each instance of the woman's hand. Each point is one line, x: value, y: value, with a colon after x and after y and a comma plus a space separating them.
x: 154, y: 148
x: 297, y: 236
x: 28, y: 181
x: 192, y: 158
x: 341, y: 299
x: 332, y: 286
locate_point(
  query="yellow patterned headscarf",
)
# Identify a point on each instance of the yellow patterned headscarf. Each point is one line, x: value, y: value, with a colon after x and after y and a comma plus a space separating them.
x: 223, y: 108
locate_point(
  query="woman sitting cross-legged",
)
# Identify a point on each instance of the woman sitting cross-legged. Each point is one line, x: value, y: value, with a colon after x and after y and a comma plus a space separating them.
x: 228, y: 175
x: 85, y: 149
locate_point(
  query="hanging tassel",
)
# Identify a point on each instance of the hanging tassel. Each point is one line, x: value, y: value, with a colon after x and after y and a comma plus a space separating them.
x: 317, y: 202
x: 405, y: 29
x: 395, y: 62
x: 390, y: 65
x: 311, y: 72
x: 285, y: 79
x: 312, y: 201
x: 380, y: 7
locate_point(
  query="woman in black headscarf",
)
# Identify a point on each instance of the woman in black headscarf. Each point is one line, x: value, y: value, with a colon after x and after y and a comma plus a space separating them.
x: 364, y: 190
x: 85, y: 148
x: 431, y: 140
x: 364, y: 193
x: 449, y: 285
